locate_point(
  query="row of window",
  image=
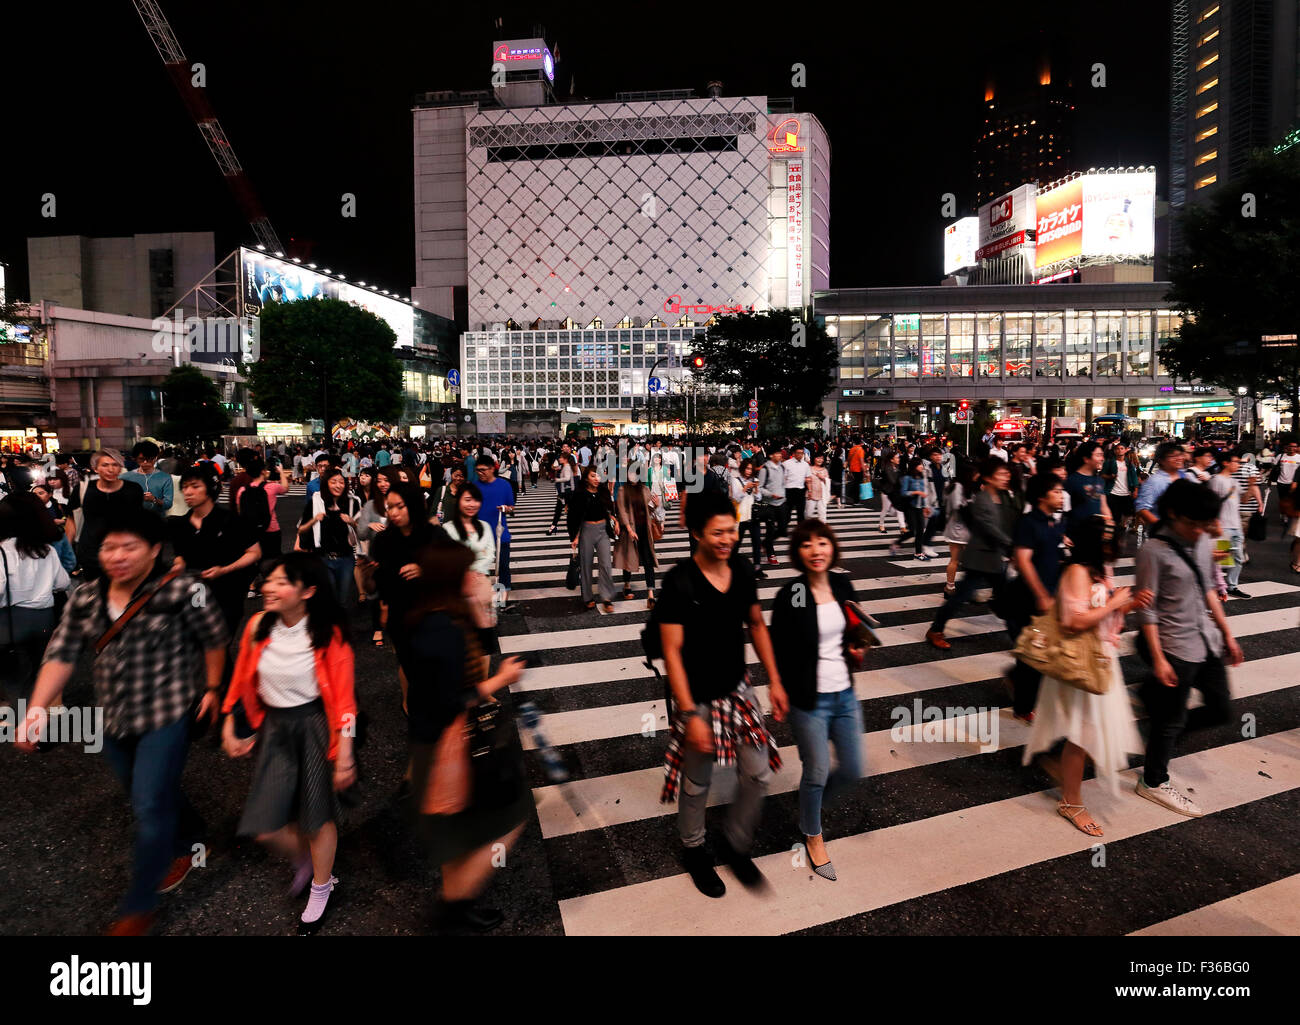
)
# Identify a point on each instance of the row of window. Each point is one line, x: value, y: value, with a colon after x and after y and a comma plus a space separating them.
x: 640, y: 147
x: 997, y: 344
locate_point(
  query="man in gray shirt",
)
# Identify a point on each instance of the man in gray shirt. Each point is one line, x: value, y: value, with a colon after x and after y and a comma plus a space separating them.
x: 771, y: 494
x: 1186, y: 632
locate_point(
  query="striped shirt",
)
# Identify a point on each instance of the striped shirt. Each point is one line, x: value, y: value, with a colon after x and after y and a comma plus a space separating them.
x: 1245, y: 476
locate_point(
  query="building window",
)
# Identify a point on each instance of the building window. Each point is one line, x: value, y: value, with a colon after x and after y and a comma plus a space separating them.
x: 1209, y: 179
x: 1208, y: 61
x: 907, y: 343
x: 1205, y: 133
x: 1209, y: 12
x: 1207, y: 37
x: 1138, y: 341
x: 1168, y: 325
x: 1078, y: 345
x: 934, y: 345
x: 1207, y: 85
x: 988, y: 344
x: 1208, y: 108
x: 961, y: 345
x: 1206, y: 157
x: 1048, y: 331
x: 878, y: 353
x: 1019, y: 343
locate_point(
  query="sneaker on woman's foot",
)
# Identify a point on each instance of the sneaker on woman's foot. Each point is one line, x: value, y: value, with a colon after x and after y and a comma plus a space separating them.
x: 180, y: 868
x: 1168, y: 796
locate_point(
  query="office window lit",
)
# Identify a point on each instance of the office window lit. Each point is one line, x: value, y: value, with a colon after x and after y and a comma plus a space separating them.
x: 1205, y: 158
x: 1204, y: 134
x: 1208, y: 61
x: 1207, y: 37
x: 1209, y: 179
x: 1207, y: 13
x: 1208, y: 108
x: 1207, y: 85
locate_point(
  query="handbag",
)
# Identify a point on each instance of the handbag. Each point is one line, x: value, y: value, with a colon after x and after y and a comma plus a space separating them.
x: 10, y: 650
x: 449, y: 776
x: 1076, y: 659
x: 571, y: 577
x: 1257, y: 526
x: 495, y: 761
x: 858, y: 632
x: 866, y: 491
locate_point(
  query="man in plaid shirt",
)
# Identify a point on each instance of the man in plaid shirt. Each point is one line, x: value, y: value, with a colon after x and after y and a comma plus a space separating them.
x: 704, y: 606
x: 147, y: 679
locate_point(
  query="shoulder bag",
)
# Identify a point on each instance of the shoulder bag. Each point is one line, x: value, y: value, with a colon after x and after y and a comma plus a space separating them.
x: 1257, y: 526
x: 1076, y: 659
x: 1140, y: 645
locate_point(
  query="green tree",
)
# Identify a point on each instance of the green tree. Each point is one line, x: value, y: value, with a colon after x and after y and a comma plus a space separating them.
x: 1235, y: 281
x: 192, y: 405
x: 325, y: 358
x: 792, y: 364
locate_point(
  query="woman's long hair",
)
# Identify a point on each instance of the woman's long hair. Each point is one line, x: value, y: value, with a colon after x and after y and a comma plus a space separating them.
x: 1094, y: 545
x: 440, y: 587
x: 324, y: 614
x: 327, y: 496
x: 24, y: 518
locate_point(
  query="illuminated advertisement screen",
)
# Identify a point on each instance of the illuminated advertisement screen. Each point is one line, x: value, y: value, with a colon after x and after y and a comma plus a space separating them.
x: 1060, y: 223
x: 524, y: 55
x: 1119, y: 214
x: 1004, y: 222
x: 265, y: 279
x: 960, y: 240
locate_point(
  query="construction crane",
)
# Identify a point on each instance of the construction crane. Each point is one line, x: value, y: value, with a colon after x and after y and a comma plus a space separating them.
x: 173, y: 58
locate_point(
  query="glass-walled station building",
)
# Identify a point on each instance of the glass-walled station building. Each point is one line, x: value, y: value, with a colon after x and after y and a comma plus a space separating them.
x: 914, y: 354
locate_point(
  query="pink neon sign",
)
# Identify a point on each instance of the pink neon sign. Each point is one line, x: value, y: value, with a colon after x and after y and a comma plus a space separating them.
x: 673, y: 304
x: 785, y: 137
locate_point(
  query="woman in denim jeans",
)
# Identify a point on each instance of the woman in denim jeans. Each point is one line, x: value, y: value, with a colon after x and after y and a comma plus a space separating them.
x: 808, y: 624
x: 916, y: 507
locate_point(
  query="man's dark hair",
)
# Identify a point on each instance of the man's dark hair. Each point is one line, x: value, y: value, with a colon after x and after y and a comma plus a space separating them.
x: 485, y: 460
x: 206, y: 475
x: 1202, y: 450
x: 324, y: 457
x: 149, y: 528
x: 990, y: 466
x: 705, y: 505
x: 1167, y: 449
x: 145, y: 449
x: 60, y: 458
x: 1189, y: 500
x: 1039, y: 485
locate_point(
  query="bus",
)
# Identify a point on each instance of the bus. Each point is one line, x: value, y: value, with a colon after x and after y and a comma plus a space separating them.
x: 1218, y: 430
x: 1117, y: 427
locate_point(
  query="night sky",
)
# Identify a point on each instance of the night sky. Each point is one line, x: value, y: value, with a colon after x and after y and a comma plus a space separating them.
x: 316, y: 99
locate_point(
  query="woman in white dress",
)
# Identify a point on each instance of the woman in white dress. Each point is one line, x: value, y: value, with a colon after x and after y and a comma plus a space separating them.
x: 1096, y: 726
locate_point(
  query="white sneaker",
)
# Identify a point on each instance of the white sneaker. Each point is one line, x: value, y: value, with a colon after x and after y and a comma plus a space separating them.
x: 1169, y: 797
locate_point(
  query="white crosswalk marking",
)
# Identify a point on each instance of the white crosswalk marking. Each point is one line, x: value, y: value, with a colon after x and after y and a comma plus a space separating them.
x: 604, y: 710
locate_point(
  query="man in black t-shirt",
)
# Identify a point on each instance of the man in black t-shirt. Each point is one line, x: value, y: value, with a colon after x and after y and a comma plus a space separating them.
x: 1036, y: 552
x: 705, y: 604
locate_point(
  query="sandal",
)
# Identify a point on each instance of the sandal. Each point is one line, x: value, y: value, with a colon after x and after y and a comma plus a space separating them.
x: 378, y: 639
x: 627, y: 594
x: 1092, y: 830
x: 591, y: 604
x: 607, y: 608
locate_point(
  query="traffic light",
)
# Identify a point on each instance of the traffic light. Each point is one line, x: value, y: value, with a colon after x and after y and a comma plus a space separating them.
x: 636, y: 414
x: 964, y: 405
x: 697, y: 362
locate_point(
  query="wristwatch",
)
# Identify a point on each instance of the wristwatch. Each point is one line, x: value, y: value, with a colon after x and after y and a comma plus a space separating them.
x: 691, y: 713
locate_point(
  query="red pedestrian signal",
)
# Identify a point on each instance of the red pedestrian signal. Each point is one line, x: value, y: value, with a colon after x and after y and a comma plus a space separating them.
x: 964, y: 405
x: 697, y: 362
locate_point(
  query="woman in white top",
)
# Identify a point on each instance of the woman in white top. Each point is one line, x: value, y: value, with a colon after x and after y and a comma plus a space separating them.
x: 809, y: 621
x: 1096, y: 726
x: 955, y: 532
x: 817, y: 487
x: 467, y: 529
x: 294, y: 676
x: 30, y: 573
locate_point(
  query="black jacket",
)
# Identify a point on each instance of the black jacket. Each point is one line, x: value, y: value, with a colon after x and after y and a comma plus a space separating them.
x: 795, y: 637
x: 587, y: 505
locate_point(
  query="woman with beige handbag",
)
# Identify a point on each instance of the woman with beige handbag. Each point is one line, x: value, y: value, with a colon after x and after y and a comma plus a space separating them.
x: 1099, y: 726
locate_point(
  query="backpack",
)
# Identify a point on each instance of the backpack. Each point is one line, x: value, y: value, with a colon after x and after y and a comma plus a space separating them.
x: 255, y: 508
x: 652, y: 642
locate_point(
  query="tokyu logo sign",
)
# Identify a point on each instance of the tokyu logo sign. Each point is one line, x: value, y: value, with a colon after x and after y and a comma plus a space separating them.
x: 785, y: 137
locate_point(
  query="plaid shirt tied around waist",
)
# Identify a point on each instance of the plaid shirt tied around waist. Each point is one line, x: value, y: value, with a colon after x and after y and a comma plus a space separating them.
x: 735, y: 719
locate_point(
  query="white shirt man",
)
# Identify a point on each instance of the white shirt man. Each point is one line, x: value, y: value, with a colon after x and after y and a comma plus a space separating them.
x: 996, y: 450
x: 796, y: 470
x: 584, y: 455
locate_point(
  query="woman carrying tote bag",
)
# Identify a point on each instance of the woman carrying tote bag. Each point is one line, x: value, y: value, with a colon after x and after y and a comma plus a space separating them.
x: 1096, y: 726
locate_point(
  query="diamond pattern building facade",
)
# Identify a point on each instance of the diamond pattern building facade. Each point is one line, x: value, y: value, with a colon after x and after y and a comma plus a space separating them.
x: 592, y: 240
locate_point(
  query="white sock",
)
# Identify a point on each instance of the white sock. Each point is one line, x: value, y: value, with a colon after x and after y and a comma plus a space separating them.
x: 320, y: 896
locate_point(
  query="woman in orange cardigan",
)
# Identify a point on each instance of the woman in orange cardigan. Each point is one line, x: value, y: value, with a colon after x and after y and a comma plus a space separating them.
x: 294, y: 676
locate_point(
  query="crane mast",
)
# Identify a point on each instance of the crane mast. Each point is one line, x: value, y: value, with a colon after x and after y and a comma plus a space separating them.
x: 173, y: 58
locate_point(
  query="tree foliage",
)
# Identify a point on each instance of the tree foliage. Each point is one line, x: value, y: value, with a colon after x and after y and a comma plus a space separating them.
x: 762, y: 351
x: 325, y: 358
x: 1236, y: 280
x: 192, y: 405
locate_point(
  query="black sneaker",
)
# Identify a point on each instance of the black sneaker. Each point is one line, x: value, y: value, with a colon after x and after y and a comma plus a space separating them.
x: 742, y: 865
x: 699, y: 864
x: 466, y: 914
x: 1237, y: 592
